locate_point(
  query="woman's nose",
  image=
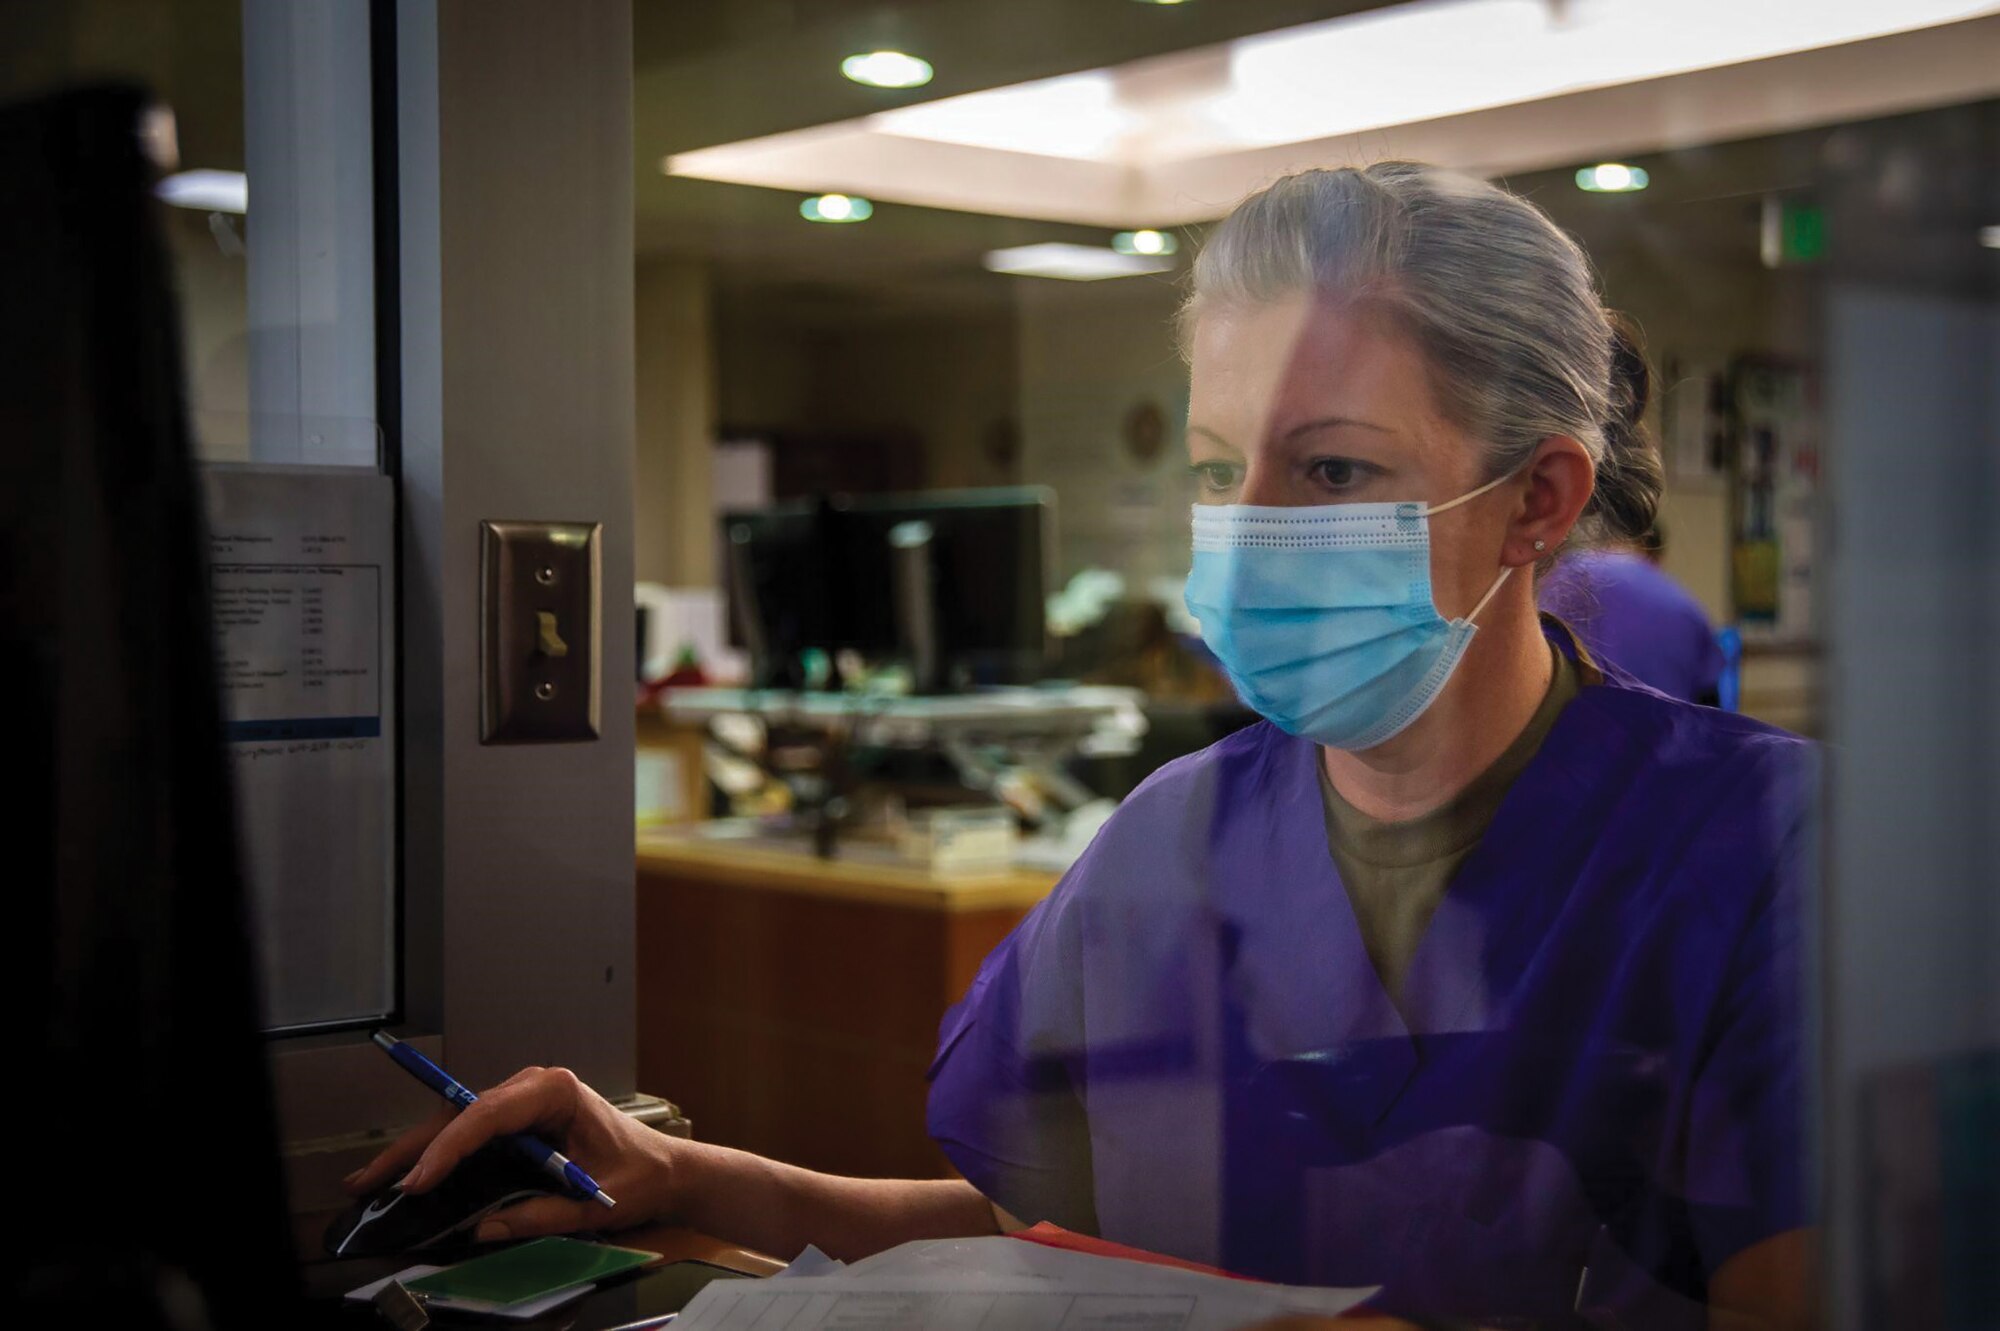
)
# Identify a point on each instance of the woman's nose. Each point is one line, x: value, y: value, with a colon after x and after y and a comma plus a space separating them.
x: 1266, y: 486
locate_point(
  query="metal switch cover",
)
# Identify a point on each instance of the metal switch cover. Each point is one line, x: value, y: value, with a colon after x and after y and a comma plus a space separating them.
x: 540, y: 631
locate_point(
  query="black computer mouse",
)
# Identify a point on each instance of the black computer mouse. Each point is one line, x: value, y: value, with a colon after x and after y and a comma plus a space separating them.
x: 387, y: 1221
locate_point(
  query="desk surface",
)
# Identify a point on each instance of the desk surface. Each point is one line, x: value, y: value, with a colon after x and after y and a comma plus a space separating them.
x: 1027, y: 709
x: 676, y: 1244
x: 758, y: 865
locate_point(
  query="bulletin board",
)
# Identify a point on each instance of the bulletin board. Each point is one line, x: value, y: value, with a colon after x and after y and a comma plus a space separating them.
x: 1775, y: 459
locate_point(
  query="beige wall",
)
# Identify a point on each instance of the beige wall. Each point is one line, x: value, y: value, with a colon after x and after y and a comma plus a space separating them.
x: 945, y: 378
x: 214, y: 297
x: 673, y: 519
x: 1090, y: 353
x: 765, y: 371
x: 710, y: 362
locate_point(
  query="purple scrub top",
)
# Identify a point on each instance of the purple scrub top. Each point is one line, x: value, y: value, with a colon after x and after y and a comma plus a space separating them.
x: 1589, y: 1100
x: 1631, y: 614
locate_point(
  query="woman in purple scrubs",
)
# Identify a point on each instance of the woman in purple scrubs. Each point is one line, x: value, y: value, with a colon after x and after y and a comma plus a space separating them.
x: 1473, y: 973
x: 1628, y: 611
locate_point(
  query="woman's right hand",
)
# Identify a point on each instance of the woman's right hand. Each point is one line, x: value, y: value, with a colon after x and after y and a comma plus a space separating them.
x: 634, y: 1164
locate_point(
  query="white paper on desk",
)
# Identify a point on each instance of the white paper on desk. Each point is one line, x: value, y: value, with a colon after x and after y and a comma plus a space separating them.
x: 518, y: 1312
x: 1018, y: 1259
x: 1000, y: 1284
x: 407, y: 1274
x: 811, y: 1262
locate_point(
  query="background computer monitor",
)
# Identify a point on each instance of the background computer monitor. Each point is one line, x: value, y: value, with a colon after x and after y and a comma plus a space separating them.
x: 956, y: 576
x: 778, y: 588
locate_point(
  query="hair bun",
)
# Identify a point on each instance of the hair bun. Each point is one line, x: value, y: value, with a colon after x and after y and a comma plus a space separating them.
x: 1631, y: 379
x: 1630, y: 479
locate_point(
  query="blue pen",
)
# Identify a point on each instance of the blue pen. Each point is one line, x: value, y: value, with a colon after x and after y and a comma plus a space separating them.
x: 544, y: 1156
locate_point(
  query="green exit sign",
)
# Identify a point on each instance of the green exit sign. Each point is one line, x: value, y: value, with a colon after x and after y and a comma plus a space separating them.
x: 1801, y: 232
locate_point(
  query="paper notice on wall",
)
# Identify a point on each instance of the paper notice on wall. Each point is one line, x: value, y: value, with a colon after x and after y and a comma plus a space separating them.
x: 301, y: 572
x: 301, y: 652
x: 1694, y: 435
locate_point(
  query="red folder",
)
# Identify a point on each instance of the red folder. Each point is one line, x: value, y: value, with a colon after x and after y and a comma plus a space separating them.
x: 1055, y: 1236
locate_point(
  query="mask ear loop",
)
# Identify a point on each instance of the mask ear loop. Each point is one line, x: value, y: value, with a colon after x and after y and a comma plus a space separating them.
x: 1489, y: 595
x: 1468, y: 497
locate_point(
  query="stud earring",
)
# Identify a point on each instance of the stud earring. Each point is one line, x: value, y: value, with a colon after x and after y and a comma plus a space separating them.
x: 1541, y: 546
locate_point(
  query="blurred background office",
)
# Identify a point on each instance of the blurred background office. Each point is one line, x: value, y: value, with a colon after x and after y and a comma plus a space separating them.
x: 847, y: 329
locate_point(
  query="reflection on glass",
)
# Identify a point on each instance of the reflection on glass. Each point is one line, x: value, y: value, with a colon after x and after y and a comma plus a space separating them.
x: 1504, y: 967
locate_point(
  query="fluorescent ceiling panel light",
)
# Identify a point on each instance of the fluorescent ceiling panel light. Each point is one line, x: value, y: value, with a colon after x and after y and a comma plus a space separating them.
x: 1471, y: 83
x: 210, y: 191
x: 1989, y: 236
x: 1073, y: 263
x: 1393, y: 66
x: 1076, y: 115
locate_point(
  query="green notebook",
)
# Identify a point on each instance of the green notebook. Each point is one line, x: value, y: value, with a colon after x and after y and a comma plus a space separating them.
x: 528, y: 1271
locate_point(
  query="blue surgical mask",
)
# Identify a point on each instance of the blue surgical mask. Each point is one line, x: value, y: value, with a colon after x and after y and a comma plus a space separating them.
x: 1323, y: 616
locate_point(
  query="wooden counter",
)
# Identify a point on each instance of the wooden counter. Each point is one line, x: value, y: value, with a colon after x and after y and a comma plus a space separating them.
x: 790, y: 1005
x: 681, y: 852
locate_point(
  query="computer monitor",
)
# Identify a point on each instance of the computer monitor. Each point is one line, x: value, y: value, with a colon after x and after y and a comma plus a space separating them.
x: 148, y: 1160
x: 950, y: 582
x: 779, y: 587
x: 985, y: 553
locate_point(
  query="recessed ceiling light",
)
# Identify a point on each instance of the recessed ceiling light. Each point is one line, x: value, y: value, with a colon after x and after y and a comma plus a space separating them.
x: 1612, y: 178
x: 210, y: 191
x: 1989, y: 236
x: 887, y: 69
x: 836, y: 208
x: 1073, y: 263
x: 1162, y: 2
x: 1145, y: 242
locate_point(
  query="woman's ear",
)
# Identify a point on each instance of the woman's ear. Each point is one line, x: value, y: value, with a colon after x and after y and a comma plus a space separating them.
x: 1560, y: 479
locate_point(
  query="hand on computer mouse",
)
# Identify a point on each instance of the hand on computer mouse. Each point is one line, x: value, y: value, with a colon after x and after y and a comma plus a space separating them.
x: 389, y: 1220
x: 631, y: 1162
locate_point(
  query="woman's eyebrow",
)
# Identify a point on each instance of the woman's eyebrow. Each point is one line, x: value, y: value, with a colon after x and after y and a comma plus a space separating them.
x: 1335, y: 422
x: 1211, y: 435
x: 1297, y: 431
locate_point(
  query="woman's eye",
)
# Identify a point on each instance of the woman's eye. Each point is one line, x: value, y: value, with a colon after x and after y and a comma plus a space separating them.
x: 1215, y: 476
x: 1336, y: 473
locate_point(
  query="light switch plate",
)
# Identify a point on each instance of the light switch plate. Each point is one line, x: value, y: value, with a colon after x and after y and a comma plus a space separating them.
x: 540, y: 631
